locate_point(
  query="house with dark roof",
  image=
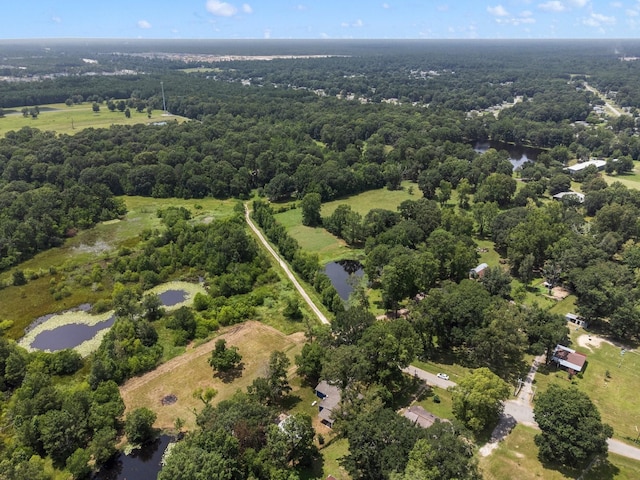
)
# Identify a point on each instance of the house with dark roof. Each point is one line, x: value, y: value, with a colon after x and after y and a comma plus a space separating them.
x: 569, y: 359
x: 330, y: 397
x: 419, y: 416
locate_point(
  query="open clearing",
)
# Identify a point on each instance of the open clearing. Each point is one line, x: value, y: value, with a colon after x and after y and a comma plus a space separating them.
x: 60, y: 118
x: 182, y: 375
x: 517, y: 457
x: 610, y: 378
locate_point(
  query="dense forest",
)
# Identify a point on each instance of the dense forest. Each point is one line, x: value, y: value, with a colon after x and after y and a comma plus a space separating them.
x: 296, y: 133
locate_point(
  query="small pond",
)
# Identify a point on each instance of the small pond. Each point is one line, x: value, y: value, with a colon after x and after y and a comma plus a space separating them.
x: 518, y: 154
x: 69, y: 336
x: 344, y: 274
x: 170, y: 298
x: 142, y: 464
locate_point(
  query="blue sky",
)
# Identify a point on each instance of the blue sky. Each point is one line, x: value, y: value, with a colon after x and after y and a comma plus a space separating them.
x: 320, y: 19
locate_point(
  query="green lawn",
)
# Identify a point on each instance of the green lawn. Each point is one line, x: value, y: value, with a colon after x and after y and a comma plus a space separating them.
x: 60, y: 118
x: 381, y: 198
x: 615, y: 396
x: 516, y: 457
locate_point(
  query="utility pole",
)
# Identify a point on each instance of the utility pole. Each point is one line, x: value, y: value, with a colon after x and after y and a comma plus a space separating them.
x: 164, y: 104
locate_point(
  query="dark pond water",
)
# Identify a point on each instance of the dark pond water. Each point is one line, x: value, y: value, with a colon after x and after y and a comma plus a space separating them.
x: 141, y: 464
x: 343, y: 275
x: 83, y: 307
x: 69, y: 336
x: 518, y: 154
x: 172, y: 297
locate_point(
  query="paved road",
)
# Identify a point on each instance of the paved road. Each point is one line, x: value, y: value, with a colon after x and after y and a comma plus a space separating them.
x: 286, y: 268
x: 518, y: 410
x: 430, y: 378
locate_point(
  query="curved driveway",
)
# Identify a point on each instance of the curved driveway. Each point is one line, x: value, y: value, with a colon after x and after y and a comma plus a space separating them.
x: 286, y: 268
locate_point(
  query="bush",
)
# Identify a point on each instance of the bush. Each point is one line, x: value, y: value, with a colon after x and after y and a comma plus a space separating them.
x: 436, y: 399
x: 139, y: 425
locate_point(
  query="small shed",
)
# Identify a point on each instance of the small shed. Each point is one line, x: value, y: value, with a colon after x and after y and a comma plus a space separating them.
x: 573, y: 318
x: 419, y: 416
x: 479, y: 271
x: 568, y: 358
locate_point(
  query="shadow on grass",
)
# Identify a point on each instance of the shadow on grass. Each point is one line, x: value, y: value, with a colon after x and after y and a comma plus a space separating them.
x: 230, y: 375
x: 599, y: 469
x: 290, y: 401
x: 313, y: 471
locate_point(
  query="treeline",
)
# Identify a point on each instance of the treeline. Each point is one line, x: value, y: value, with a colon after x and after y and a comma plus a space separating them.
x: 306, y: 264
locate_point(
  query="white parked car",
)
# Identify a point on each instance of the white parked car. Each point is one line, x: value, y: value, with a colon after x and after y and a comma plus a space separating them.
x: 443, y: 376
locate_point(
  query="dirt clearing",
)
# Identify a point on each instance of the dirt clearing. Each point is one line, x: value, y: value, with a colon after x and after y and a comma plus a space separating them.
x: 181, y: 376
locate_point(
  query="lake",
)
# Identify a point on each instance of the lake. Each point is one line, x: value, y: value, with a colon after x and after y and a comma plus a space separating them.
x: 518, y: 154
x: 344, y: 274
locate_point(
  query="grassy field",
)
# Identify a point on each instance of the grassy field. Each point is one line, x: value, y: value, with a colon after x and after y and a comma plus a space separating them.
x: 65, y: 265
x: 327, y: 246
x: 516, y: 457
x: 182, y: 375
x: 381, y: 198
x: 615, y: 396
x: 60, y: 118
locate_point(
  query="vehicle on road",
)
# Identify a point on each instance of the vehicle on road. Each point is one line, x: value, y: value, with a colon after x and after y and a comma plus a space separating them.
x: 443, y: 376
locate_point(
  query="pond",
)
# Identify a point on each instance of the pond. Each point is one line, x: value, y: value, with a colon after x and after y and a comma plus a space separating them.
x: 344, y: 274
x: 518, y: 154
x: 80, y: 330
x: 170, y: 298
x: 69, y: 336
x: 142, y: 464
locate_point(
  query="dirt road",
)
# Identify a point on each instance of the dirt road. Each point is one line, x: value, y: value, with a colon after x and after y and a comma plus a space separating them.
x: 286, y: 268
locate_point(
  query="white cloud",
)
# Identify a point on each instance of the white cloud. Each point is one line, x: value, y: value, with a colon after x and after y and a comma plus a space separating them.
x: 246, y: 8
x: 598, y: 20
x: 300, y: 7
x: 442, y: 8
x: 498, y: 11
x: 578, y: 3
x: 267, y: 33
x: 631, y: 13
x: 143, y: 24
x: 357, y: 24
x: 386, y: 5
x: 552, y: 6
x: 616, y: 4
x: 324, y: 35
x: 56, y: 19
x: 221, y: 9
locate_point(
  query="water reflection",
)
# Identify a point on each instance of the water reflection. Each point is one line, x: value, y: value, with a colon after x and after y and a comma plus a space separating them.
x: 344, y: 274
x: 69, y: 336
x: 142, y: 464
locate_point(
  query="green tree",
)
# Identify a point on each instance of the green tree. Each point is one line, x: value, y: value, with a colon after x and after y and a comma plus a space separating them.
x: 95, y: 107
x: 477, y: 399
x: 310, y: 205
x: 443, y: 194
x: 446, y: 453
x: 464, y: 191
x: 291, y: 442
x: 223, y: 358
x: 310, y: 362
x: 497, y: 282
x: 572, y: 430
x: 138, y: 425
x: 78, y: 464
x: 272, y: 388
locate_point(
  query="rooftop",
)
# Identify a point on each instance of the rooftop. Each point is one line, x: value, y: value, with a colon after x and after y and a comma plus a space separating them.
x: 569, y: 358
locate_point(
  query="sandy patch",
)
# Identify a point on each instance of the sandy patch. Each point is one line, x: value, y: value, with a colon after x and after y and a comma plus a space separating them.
x: 98, y: 247
x: 591, y: 341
